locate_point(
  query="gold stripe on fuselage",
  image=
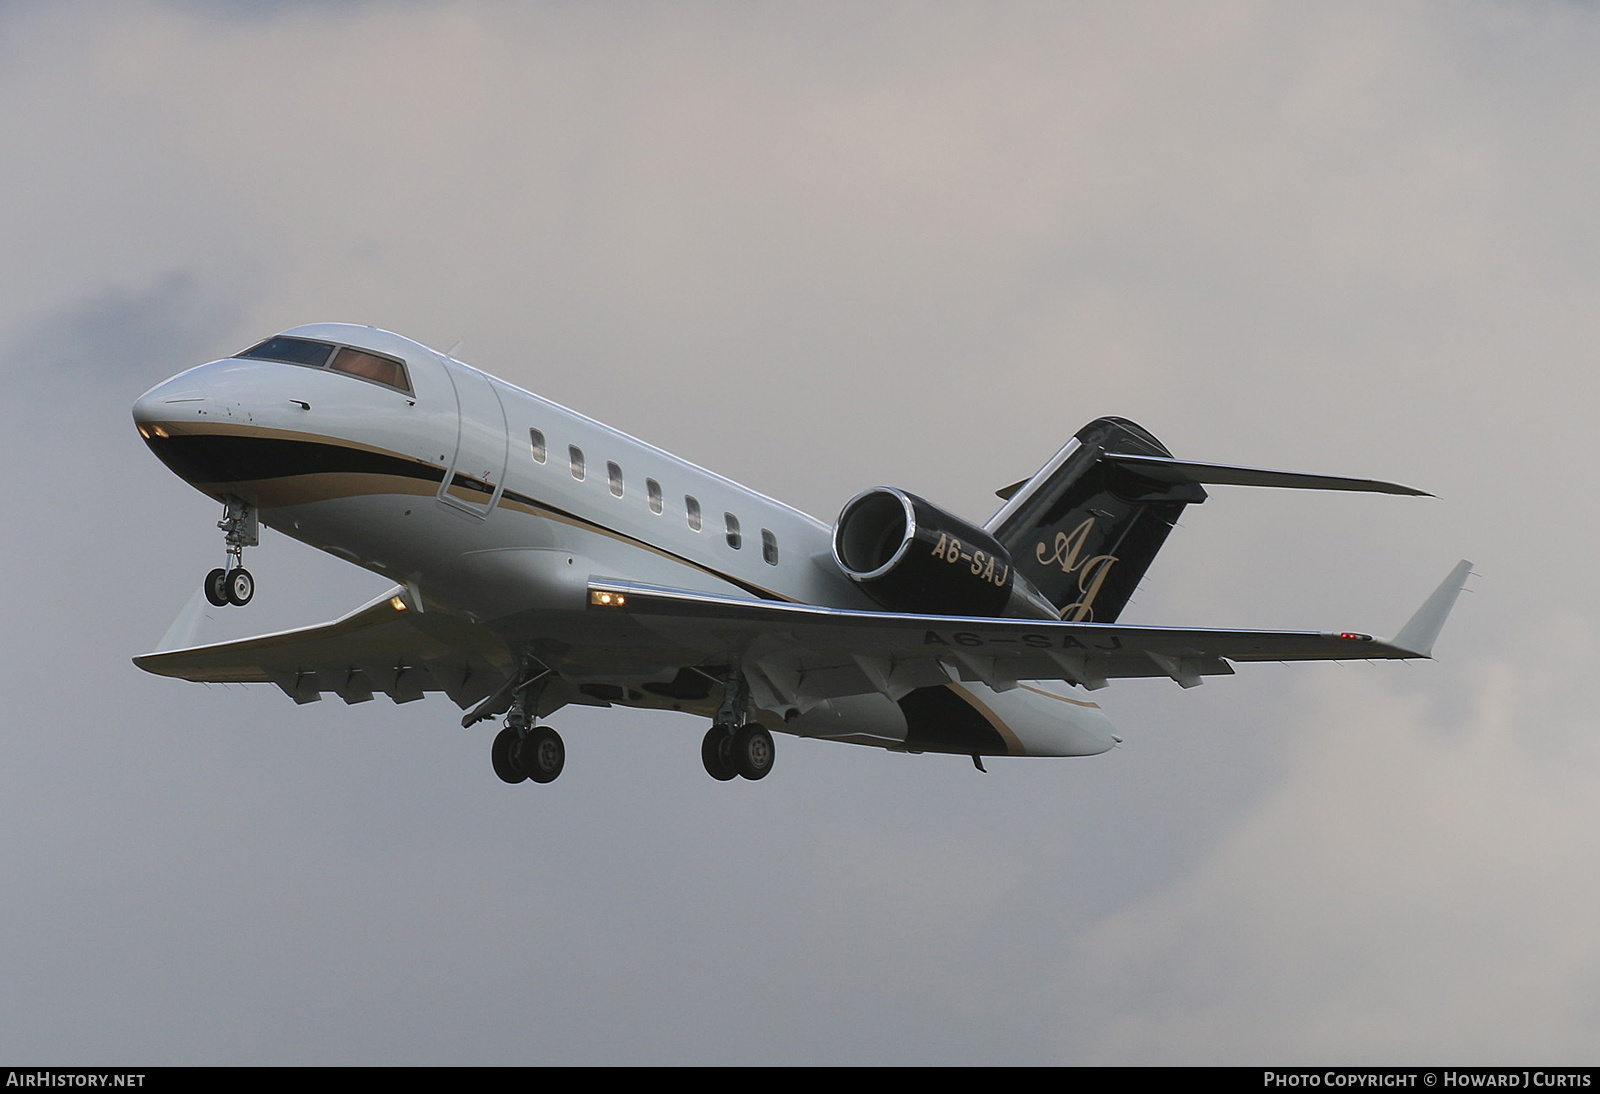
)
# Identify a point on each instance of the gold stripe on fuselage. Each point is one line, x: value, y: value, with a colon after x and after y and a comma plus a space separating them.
x: 1059, y: 698
x: 1013, y: 745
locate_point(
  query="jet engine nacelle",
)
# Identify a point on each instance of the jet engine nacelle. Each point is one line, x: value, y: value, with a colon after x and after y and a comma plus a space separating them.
x: 911, y: 556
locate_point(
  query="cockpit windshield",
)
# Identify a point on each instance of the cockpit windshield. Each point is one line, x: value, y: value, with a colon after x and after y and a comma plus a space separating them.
x: 346, y: 359
x: 293, y: 351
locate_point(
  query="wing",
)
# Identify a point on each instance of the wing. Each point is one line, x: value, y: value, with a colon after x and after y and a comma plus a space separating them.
x: 796, y: 655
x: 384, y: 646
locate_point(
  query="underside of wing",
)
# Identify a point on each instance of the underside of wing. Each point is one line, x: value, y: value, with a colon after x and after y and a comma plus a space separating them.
x: 386, y: 646
x: 798, y: 655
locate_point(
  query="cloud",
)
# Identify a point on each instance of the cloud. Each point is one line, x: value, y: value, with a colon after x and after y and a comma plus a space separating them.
x: 1417, y: 887
x: 817, y: 248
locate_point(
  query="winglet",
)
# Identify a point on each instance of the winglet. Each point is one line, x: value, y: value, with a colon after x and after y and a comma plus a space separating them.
x: 1418, y: 635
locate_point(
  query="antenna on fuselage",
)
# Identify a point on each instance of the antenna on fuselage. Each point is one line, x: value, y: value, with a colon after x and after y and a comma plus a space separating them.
x: 451, y: 352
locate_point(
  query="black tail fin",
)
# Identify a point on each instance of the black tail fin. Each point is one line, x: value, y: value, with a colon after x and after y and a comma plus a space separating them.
x: 1085, y: 529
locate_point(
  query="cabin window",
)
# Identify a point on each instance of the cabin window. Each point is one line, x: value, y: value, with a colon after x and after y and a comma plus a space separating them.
x: 769, y: 547
x: 614, y: 478
x: 369, y: 366
x: 653, y: 488
x: 536, y: 441
x: 691, y: 510
x: 575, y: 454
x: 735, y: 540
x: 291, y: 351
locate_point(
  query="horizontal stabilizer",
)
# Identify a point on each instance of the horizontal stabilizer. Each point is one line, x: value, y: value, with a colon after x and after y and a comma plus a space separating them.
x: 1166, y: 469
x: 1418, y: 635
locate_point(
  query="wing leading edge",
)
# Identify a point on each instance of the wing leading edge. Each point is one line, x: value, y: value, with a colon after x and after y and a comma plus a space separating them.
x: 798, y: 655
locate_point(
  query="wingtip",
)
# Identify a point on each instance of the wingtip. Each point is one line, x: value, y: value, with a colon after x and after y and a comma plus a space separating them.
x: 1422, y: 629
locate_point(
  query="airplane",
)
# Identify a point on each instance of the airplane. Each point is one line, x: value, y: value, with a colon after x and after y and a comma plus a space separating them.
x: 543, y: 560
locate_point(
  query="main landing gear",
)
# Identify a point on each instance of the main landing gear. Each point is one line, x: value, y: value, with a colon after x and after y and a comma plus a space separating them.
x: 744, y: 750
x: 733, y: 746
x: 233, y: 584
x: 523, y: 750
x: 535, y: 753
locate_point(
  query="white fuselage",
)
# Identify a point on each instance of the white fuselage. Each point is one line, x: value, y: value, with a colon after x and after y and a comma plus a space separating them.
x: 488, y: 500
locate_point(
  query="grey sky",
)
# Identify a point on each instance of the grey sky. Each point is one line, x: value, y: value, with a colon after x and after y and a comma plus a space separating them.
x: 818, y: 248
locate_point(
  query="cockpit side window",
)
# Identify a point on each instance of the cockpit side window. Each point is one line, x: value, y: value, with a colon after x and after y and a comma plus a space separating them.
x: 291, y: 351
x: 369, y: 366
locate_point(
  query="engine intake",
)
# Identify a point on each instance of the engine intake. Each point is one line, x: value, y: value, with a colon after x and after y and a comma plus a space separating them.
x: 911, y: 556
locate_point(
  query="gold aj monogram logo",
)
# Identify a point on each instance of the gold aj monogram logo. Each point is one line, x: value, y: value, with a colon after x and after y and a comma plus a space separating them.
x: 1091, y: 571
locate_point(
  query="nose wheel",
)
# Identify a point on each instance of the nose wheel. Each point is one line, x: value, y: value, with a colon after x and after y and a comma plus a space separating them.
x: 233, y: 584
x: 241, y: 587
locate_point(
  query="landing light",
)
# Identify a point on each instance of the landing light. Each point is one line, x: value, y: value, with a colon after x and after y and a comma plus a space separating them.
x: 399, y: 605
x: 609, y: 600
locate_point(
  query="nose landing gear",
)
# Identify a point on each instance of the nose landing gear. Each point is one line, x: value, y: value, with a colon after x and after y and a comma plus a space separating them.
x: 233, y: 584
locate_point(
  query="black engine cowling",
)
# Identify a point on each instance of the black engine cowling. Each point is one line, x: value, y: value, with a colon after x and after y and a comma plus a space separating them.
x: 911, y: 556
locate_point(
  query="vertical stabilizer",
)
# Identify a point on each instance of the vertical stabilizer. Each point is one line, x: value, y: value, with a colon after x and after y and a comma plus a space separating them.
x: 1084, y: 529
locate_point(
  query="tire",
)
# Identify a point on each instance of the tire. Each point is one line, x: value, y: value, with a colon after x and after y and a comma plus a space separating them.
x: 217, y: 587
x: 542, y: 755
x: 241, y: 587
x: 716, y: 752
x: 753, y: 752
x: 502, y: 755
